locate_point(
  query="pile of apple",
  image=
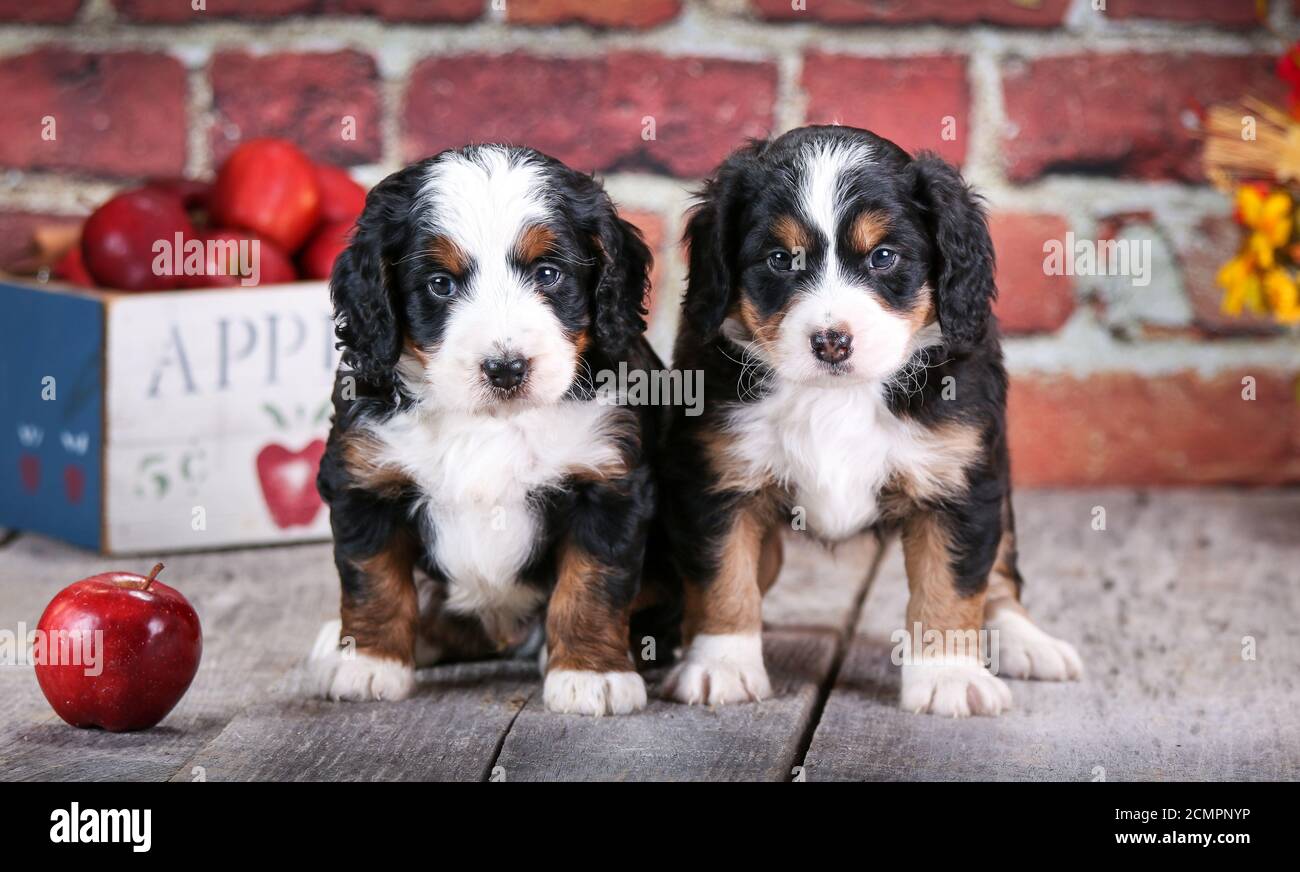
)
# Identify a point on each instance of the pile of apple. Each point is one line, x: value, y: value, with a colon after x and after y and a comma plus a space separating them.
x: 301, y: 213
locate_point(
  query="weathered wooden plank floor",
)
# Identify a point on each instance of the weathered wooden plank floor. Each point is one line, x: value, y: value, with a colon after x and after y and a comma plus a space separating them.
x: 1158, y: 603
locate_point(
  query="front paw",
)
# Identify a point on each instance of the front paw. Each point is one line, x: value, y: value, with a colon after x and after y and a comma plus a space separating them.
x: 1025, y: 651
x: 956, y: 688
x: 582, y: 692
x: 355, y: 676
x: 719, y: 670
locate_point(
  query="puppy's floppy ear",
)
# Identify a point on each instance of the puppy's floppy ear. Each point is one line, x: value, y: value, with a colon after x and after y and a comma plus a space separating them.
x: 711, y: 239
x: 962, y: 268
x: 366, y: 313
x: 708, y: 288
x: 619, y: 298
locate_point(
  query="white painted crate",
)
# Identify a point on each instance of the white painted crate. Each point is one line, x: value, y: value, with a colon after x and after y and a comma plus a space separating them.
x: 213, y: 407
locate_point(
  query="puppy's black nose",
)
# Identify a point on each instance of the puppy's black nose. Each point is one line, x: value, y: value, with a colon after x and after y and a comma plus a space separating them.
x: 506, y: 373
x: 832, y: 346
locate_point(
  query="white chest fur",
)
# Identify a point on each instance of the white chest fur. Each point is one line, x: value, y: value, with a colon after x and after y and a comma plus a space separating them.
x: 475, y: 474
x: 835, y: 448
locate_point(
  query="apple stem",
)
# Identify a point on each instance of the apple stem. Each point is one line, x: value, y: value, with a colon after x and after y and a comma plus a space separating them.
x: 157, y: 568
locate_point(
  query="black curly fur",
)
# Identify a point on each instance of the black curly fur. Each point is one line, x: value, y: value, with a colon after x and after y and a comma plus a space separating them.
x: 382, y: 302
x: 963, y: 265
x: 934, y: 217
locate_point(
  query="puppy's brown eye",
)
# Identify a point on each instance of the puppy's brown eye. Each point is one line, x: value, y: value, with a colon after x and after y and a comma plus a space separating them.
x: 883, y: 258
x: 442, y: 285
x: 780, y: 260
x: 546, y: 275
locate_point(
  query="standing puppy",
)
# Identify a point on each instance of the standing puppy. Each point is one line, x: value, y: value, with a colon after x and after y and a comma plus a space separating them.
x: 482, y: 290
x: 839, y: 305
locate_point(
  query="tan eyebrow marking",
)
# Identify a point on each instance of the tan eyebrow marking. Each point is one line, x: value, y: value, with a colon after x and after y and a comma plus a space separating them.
x: 449, y: 255
x: 792, y: 235
x: 868, y: 229
x: 534, y: 243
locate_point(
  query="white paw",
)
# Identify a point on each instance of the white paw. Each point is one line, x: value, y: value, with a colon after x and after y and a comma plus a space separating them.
x: 580, y: 692
x: 353, y: 676
x: 955, y: 688
x: 720, y: 669
x: 1025, y: 651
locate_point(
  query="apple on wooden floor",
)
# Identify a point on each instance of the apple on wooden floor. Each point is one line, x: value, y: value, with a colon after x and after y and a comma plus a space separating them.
x: 117, y: 650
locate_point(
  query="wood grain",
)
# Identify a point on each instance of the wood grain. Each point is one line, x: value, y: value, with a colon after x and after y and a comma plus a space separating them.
x: 259, y: 609
x: 450, y: 730
x: 1157, y: 603
x: 808, y: 612
x: 673, y: 742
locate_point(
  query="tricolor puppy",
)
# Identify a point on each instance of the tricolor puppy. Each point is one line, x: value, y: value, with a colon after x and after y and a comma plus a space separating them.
x: 482, y: 290
x: 840, y: 305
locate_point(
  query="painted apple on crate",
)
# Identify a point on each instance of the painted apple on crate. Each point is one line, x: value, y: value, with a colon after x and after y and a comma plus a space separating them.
x: 29, y: 472
x: 288, y: 480
x: 74, y: 482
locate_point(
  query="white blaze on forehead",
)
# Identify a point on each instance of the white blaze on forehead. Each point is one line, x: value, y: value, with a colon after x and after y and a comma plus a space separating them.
x: 484, y: 199
x: 834, y: 298
x: 821, y: 190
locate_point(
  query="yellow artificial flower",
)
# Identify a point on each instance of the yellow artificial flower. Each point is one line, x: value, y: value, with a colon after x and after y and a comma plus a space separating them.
x: 1283, y: 295
x: 1240, y: 279
x: 1269, y: 216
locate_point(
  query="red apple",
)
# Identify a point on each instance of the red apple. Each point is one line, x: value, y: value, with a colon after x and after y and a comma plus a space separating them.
x: 117, y: 651
x: 317, y: 258
x: 268, y: 186
x: 341, y: 198
x: 224, y: 269
x: 118, y: 240
x: 288, y: 480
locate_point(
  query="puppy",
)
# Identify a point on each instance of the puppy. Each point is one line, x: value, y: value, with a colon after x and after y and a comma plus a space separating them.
x: 839, y: 304
x: 481, y: 291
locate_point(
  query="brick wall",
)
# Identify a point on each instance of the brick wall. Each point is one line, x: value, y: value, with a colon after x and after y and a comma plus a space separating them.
x: 1068, y: 118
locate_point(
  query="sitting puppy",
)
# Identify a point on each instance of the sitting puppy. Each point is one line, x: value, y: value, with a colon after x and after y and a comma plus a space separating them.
x: 481, y: 291
x: 839, y: 304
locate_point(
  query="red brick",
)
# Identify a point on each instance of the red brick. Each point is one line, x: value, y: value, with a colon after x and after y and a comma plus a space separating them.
x: 588, y: 111
x: 183, y: 12
x: 1047, y: 13
x: 1224, y: 13
x: 1129, y: 429
x: 412, y: 10
x: 18, y: 250
x: 42, y: 12
x: 902, y: 99
x: 300, y: 97
x: 1216, y: 239
x: 1029, y: 300
x: 116, y: 114
x: 606, y: 13
x: 1124, y: 114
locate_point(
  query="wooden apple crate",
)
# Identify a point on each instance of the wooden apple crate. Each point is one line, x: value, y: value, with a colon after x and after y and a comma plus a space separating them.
x: 144, y: 422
